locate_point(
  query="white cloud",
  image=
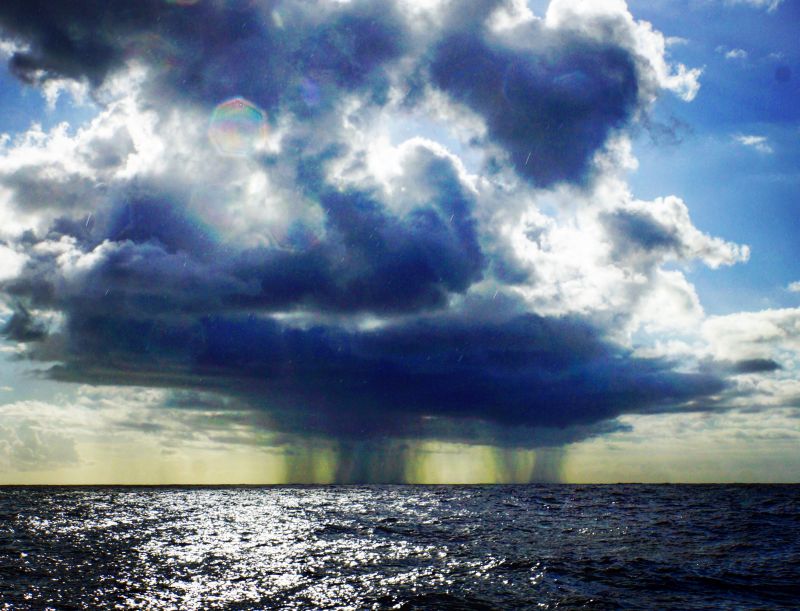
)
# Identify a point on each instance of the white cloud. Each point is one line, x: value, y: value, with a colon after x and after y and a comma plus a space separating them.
x: 770, y: 5
x: 671, y: 215
x: 29, y: 443
x: 75, y: 172
x: 759, y: 143
x: 53, y: 88
x: 11, y: 262
x: 720, y: 428
x: 736, y: 54
x: 672, y: 41
x: 511, y: 14
x: 584, y: 260
x: 672, y: 305
x: 9, y: 47
x: 765, y: 334
x: 794, y: 287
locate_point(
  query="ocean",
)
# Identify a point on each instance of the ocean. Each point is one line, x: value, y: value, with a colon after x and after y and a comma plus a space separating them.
x: 401, y: 547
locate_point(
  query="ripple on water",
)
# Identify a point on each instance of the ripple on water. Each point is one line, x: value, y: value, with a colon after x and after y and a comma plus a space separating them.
x: 596, y: 547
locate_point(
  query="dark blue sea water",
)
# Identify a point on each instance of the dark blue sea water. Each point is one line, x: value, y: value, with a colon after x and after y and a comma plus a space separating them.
x: 401, y: 547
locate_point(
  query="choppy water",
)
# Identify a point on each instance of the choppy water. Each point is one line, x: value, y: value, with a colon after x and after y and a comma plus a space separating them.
x: 482, y: 547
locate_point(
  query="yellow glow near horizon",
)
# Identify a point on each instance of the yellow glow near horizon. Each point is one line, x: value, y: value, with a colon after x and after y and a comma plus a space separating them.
x: 147, y: 464
x: 430, y: 462
x: 435, y: 462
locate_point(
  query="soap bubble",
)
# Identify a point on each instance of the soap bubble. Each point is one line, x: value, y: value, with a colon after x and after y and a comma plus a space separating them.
x: 238, y: 127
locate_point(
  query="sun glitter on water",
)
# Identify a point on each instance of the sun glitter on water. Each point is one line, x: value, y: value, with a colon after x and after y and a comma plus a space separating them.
x: 238, y: 127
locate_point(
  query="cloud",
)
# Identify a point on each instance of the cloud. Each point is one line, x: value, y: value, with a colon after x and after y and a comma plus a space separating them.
x: 756, y: 366
x: 353, y: 279
x: 732, y: 53
x: 29, y: 444
x: 556, y: 112
x: 151, y: 248
x: 318, y: 50
x: 754, y: 335
x: 603, y: 257
x: 770, y: 5
x: 759, y: 143
x: 662, y: 228
x: 611, y: 19
x: 676, y: 40
x: 11, y: 262
x: 389, y: 381
x: 794, y: 287
x: 205, y: 53
x: 551, y: 92
x: 22, y: 327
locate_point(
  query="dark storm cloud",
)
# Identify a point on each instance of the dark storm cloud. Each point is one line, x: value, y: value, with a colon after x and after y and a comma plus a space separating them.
x: 551, y: 105
x: 756, y: 366
x: 72, y: 39
x: 211, y: 50
x: 519, y: 371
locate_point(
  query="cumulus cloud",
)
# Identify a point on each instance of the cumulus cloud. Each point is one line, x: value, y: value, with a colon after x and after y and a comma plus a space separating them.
x: 432, y: 237
x: 662, y: 228
x: 604, y: 255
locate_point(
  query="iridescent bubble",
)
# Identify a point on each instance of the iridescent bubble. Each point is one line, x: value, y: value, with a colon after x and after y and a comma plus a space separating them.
x: 157, y: 51
x: 238, y: 127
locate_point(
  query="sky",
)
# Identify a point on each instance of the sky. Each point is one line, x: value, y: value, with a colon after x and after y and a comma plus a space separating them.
x: 422, y: 241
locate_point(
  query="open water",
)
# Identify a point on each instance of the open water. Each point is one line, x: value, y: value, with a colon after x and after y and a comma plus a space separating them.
x: 401, y: 547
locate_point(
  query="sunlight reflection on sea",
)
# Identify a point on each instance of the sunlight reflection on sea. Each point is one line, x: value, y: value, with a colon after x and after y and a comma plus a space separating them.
x: 349, y: 547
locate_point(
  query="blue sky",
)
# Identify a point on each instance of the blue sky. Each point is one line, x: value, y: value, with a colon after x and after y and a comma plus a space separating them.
x: 736, y: 191
x: 440, y: 241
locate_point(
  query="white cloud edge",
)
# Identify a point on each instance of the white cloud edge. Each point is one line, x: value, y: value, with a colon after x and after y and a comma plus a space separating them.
x: 756, y: 142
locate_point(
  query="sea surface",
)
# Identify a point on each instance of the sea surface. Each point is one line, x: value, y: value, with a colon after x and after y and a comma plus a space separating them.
x: 401, y: 547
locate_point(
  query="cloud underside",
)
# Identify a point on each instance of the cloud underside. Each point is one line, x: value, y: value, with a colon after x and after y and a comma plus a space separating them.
x: 344, y: 295
x: 527, y: 371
